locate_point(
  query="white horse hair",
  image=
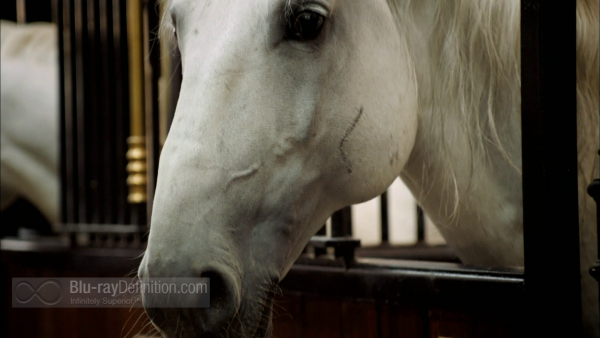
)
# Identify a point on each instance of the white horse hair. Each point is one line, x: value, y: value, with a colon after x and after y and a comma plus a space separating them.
x: 29, y: 116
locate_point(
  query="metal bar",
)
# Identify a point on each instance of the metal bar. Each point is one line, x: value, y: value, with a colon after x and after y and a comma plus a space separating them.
x: 21, y: 13
x: 93, y: 107
x: 57, y: 18
x: 102, y: 228
x: 420, y: 225
x: 385, y: 226
x: 341, y: 223
x: 386, y: 281
x: 549, y: 134
x: 423, y: 283
x: 137, y: 143
x: 68, y: 128
x: 80, y: 45
x: 121, y: 127
x: 107, y: 188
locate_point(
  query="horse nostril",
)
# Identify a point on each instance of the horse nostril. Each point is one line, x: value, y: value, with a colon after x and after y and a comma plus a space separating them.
x: 224, y: 293
x: 223, y: 300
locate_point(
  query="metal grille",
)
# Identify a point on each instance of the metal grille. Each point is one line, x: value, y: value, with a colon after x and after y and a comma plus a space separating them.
x: 107, y: 115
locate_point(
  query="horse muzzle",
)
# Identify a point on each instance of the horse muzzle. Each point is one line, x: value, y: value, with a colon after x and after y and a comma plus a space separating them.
x: 192, y: 321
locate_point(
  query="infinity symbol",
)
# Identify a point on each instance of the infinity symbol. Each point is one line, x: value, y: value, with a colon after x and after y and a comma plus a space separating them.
x: 22, y: 289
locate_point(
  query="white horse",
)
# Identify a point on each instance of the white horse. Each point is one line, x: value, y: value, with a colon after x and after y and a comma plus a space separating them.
x: 290, y: 110
x: 29, y: 116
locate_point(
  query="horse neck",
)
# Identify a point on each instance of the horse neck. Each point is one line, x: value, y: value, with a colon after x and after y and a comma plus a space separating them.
x: 470, y: 198
x: 465, y: 172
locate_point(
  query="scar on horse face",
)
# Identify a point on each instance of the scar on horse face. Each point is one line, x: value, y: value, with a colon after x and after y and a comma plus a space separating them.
x: 346, y: 134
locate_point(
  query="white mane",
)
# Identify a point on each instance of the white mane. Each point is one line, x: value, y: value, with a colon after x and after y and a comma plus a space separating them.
x: 475, y: 48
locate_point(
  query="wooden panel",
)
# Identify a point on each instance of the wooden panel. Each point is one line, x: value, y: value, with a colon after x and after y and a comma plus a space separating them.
x: 405, y: 322
x: 359, y: 320
x: 288, y: 319
x: 450, y: 324
x: 18, y: 320
x: 489, y: 323
x: 75, y: 322
x: 322, y: 318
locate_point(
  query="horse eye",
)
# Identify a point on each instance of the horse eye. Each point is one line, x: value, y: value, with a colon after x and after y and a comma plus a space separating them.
x: 305, y: 25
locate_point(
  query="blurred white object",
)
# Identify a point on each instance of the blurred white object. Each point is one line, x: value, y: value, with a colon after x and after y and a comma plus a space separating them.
x: 29, y: 116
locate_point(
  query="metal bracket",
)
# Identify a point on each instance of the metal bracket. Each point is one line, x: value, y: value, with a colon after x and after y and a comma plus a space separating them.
x: 343, y: 246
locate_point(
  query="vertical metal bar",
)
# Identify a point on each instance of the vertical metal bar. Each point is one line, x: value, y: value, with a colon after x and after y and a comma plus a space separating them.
x: 93, y: 107
x: 69, y: 117
x: 80, y: 45
x: 121, y: 127
x: 341, y: 223
x: 137, y: 153
x: 549, y: 143
x: 420, y: 226
x: 385, y: 226
x: 107, y: 190
x: 57, y: 18
x: 137, y: 144
x: 21, y: 15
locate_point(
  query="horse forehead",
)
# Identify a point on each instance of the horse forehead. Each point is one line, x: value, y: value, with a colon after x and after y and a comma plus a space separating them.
x: 208, y: 9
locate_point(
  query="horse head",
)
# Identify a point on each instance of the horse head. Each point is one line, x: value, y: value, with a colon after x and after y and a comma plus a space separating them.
x: 288, y: 111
